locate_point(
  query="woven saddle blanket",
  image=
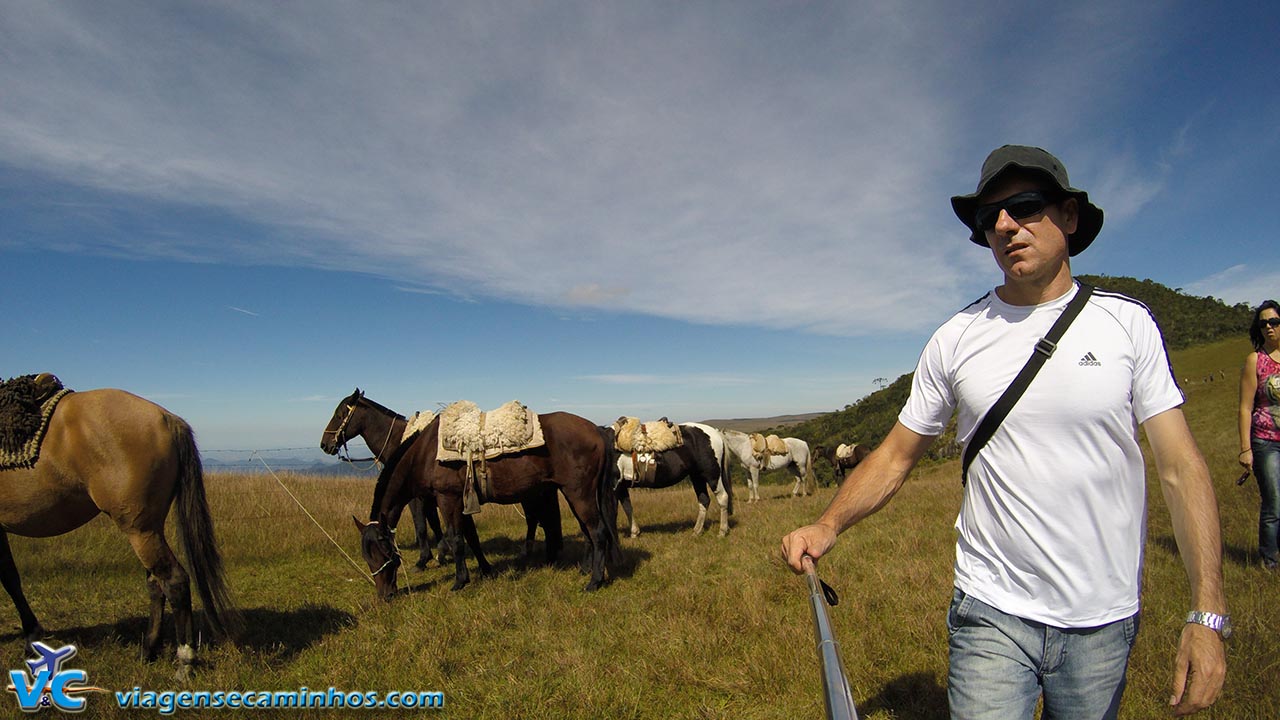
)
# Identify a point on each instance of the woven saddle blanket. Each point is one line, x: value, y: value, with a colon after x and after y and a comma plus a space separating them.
x: 26, y: 405
x: 466, y: 433
x: 632, y: 436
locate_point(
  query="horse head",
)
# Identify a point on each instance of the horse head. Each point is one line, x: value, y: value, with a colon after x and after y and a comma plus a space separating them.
x: 335, y: 433
x: 378, y: 546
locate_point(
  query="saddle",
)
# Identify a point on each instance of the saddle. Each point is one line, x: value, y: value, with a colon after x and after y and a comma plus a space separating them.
x: 416, y: 423
x: 641, y: 443
x: 26, y: 406
x: 466, y: 434
x: 632, y: 436
x: 845, y: 452
x: 764, y: 448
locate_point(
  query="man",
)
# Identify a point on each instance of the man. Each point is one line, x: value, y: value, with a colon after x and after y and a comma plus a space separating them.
x: 1050, y: 534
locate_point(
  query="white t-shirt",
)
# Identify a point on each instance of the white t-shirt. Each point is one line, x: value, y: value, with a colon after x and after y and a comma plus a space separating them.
x: 1054, y: 513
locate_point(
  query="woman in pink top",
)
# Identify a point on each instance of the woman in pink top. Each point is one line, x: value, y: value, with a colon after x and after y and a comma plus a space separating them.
x: 1260, y: 424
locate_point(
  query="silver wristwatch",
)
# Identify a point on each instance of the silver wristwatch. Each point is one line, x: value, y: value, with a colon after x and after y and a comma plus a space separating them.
x: 1220, y: 624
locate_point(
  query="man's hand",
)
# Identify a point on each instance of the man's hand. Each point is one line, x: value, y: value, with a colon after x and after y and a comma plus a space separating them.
x: 812, y: 540
x: 1199, y: 671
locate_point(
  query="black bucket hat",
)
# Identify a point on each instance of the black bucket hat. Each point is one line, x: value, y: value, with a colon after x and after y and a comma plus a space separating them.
x: 1042, y: 163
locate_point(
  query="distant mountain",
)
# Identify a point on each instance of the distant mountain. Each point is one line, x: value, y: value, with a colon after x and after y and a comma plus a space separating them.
x: 750, y: 425
x: 301, y: 466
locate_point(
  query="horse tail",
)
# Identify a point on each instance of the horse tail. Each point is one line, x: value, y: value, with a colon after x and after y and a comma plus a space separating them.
x: 810, y: 479
x: 195, y: 527
x: 724, y: 474
x: 607, y: 498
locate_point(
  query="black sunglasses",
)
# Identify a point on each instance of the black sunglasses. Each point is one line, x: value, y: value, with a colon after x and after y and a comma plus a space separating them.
x: 1271, y: 322
x: 1018, y: 206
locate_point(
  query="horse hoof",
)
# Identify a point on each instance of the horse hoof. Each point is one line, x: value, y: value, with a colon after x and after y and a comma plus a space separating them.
x: 457, y: 586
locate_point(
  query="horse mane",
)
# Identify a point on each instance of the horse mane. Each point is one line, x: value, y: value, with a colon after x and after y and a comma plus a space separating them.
x: 382, y: 408
x: 384, y: 477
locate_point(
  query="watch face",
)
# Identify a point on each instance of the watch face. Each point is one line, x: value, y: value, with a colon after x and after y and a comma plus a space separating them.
x: 1226, y: 628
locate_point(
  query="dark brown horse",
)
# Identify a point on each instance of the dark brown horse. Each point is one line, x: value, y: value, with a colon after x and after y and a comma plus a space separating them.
x: 111, y: 452
x: 382, y: 430
x: 842, y: 466
x: 574, y: 459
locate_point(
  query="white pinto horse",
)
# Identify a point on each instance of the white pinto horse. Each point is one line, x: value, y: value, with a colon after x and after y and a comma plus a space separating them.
x: 704, y: 461
x: 798, y: 461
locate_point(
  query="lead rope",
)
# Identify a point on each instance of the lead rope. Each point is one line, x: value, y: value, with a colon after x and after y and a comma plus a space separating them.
x: 359, y: 569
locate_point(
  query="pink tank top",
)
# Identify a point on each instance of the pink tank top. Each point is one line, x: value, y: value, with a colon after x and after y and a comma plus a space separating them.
x: 1266, y: 401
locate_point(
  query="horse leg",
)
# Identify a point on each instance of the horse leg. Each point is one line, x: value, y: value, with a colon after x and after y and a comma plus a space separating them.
x: 624, y: 499
x: 594, y: 529
x: 165, y: 573
x: 453, y: 537
x: 754, y: 480
x: 704, y: 501
x: 722, y: 499
x: 473, y: 541
x: 420, y: 533
x: 31, y: 629
x: 549, y: 518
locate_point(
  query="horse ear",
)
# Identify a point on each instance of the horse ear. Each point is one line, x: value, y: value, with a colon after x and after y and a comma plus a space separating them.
x: 359, y: 525
x: 382, y: 518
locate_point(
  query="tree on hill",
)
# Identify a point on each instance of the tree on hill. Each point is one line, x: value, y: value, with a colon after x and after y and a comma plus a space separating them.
x: 1185, y: 320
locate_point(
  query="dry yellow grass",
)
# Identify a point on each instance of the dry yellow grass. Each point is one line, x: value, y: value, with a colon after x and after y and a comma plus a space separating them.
x: 693, y: 627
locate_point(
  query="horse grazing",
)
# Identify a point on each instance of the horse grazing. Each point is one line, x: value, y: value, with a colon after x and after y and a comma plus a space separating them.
x: 383, y: 428
x: 573, y: 458
x: 797, y: 460
x: 702, y: 458
x: 842, y: 465
x: 108, y: 451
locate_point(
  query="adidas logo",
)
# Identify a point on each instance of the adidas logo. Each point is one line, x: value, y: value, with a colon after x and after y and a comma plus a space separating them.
x: 1089, y: 359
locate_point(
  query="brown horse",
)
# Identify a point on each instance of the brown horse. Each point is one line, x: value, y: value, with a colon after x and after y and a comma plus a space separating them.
x: 573, y: 458
x: 107, y: 451
x: 842, y: 466
x: 382, y: 430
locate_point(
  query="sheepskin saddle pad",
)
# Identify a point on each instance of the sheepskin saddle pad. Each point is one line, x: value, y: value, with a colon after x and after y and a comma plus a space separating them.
x: 773, y: 444
x: 844, y: 452
x: 416, y: 423
x: 632, y: 436
x: 467, y: 433
x: 26, y: 405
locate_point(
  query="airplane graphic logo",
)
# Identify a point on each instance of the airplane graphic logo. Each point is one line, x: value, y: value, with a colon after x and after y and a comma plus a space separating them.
x: 1089, y: 359
x: 48, y: 684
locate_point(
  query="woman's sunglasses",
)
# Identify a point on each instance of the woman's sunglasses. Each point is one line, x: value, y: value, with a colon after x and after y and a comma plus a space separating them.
x: 1269, y: 322
x: 1018, y: 206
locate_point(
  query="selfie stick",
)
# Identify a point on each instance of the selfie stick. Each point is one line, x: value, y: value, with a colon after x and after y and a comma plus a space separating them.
x: 835, y: 686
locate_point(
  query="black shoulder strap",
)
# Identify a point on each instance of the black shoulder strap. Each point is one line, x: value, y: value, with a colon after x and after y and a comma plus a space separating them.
x: 1043, y: 350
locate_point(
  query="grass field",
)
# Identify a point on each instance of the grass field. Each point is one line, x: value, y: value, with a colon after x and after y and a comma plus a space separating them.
x: 694, y: 627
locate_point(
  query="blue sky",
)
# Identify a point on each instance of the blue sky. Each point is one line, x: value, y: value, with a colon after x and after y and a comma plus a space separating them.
x: 733, y: 209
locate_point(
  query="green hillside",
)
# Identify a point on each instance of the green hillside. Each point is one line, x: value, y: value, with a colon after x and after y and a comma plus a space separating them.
x: 1186, y: 320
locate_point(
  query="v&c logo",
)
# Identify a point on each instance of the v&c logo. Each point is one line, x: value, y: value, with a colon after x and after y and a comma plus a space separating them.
x: 48, y: 684
x: 1089, y: 359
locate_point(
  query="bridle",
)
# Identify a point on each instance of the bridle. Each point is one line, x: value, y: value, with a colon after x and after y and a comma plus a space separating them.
x: 392, y: 562
x: 340, y: 437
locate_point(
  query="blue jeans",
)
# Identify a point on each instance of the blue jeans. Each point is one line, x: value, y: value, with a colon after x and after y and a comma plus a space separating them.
x: 1001, y: 664
x: 1266, y: 467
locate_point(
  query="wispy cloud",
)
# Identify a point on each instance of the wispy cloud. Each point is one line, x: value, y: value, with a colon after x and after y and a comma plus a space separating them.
x: 242, y: 310
x: 774, y: 165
